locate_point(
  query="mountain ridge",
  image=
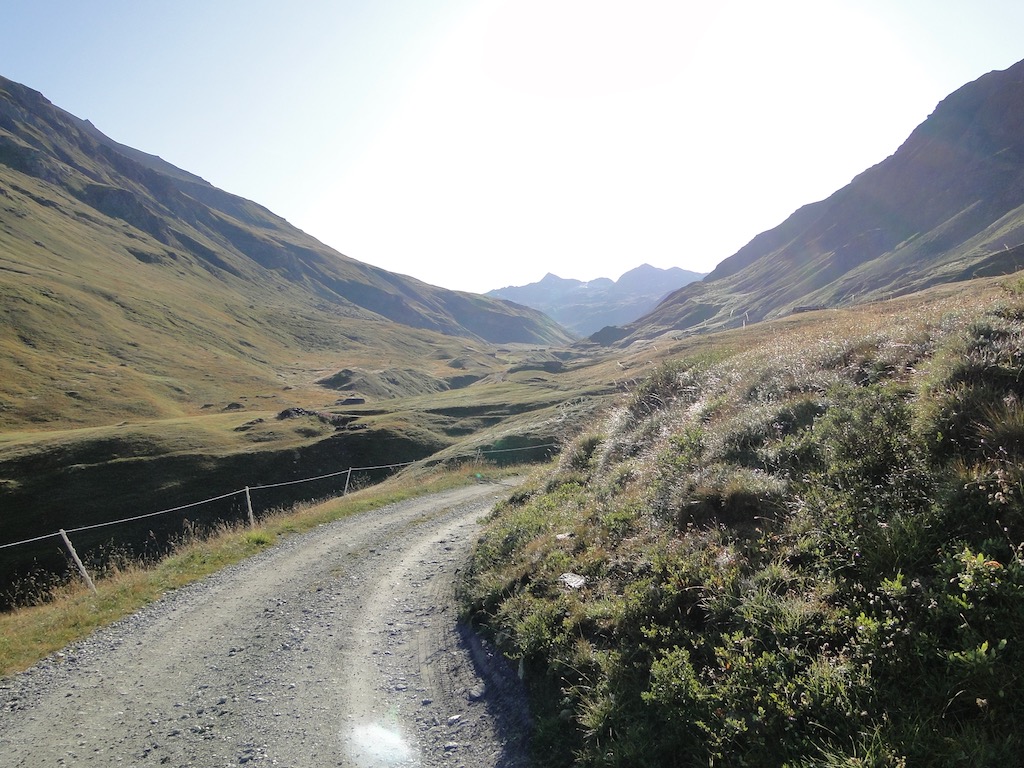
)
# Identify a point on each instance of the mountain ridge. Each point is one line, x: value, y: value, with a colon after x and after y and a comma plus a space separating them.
x: 134, y: 186
x: 947, y: 205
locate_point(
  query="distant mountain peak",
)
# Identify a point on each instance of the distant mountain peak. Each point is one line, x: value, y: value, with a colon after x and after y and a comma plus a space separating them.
x: 585, y: 307
x: 552, y: 279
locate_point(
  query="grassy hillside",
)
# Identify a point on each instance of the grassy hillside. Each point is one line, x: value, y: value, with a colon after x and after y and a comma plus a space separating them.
x: 797, y: 544
x: 130, y: 289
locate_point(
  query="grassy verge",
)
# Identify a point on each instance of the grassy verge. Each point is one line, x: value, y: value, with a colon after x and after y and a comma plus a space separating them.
x: 71, y: 611
x: 809, y: 551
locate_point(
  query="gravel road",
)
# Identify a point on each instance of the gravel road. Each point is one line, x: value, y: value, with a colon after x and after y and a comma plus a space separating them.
x: 339, y: 647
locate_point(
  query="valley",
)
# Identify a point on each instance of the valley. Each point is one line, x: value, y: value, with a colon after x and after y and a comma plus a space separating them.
x: 768, y: 503
x: 52, y: 479
x: 162, y: 340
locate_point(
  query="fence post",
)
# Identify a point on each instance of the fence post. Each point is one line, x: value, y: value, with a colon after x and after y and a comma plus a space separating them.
x: 78, y: 561
x: 348, y: 476
x: 248, y: 506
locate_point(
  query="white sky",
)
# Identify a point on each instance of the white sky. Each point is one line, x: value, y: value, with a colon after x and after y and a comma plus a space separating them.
x: 477, y: 144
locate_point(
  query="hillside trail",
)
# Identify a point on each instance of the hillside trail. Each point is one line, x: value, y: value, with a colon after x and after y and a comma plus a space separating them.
x: 338, y: 647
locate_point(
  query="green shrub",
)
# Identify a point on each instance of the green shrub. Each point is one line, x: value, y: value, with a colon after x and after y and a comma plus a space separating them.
x: 720, y: 495
x: 669, y: 382
x: 578, y: 455
x: 802, y: 558
x: 976, y: 381
x: 748, y: 437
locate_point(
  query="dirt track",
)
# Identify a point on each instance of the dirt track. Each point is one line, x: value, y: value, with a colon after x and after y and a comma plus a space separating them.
x: 339, y: 647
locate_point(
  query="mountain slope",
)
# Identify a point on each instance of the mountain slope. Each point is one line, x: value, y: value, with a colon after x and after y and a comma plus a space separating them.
x: 130, y: 286
x: 946, y: 206
x: 585, y: 307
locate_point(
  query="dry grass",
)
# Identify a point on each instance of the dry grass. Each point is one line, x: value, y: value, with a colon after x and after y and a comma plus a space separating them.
x: 72, y: 612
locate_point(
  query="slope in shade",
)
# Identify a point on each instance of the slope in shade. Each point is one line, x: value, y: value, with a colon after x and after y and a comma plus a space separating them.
x: 948, y: 205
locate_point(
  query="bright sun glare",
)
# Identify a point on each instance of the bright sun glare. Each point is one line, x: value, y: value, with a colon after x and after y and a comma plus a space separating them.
x: 578, y: 135
x: 374, y: 746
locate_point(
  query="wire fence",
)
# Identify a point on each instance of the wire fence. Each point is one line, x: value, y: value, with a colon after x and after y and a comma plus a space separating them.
x: 246, y: 491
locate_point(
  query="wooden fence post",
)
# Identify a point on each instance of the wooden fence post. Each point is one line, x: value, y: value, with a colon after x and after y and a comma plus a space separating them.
x: 78, y: 561
x: 348, y: 477
x: 248, y: 505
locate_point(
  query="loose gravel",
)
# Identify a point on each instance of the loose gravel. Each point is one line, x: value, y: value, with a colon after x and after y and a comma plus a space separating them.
x: 338, y: 647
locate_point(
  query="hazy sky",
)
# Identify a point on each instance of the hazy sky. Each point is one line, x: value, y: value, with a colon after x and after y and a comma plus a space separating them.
x: 476, y: 144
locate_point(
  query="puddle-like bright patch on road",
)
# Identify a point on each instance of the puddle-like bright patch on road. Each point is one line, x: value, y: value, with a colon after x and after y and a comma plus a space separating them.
x: 374, y: 746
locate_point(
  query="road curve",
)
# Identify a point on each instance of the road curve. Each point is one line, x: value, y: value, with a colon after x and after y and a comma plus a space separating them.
x: 338, y: 647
